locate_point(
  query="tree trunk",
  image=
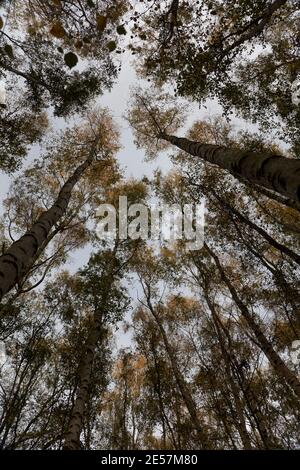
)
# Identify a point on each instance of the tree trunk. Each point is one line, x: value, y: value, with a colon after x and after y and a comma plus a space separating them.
x: 268, y: 193
x: 279, y: 366
x: 15, y: 262
x: 282, y: 248
x: 240, y: 421
x: 273, y: 172
x: 72, y: 439
x: 185, y: 393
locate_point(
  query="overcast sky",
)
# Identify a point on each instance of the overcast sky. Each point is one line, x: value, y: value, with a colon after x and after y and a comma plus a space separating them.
x: 131, y: 159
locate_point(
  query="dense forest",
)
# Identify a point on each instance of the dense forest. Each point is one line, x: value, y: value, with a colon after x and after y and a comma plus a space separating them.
x: 150, y: 344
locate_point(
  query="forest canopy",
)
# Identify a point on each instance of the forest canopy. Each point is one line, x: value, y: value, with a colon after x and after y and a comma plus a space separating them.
x: 138, y: 339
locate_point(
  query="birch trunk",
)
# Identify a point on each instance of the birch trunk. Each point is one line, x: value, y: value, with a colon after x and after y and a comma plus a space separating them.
x: 187, y: 398
x: 72, y: 439
x: 278, y: 364
x: 16, y: 261
x: 280, y: 174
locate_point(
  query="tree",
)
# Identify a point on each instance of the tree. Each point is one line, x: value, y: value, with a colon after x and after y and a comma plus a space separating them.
x: 246, y: 56
x: 39, y: 59
x: 99, y: 136
x: 236, y: 293
x: 100, y: 290
x: 19, y: 129
x: 270, y: 171
x: 149, y: 277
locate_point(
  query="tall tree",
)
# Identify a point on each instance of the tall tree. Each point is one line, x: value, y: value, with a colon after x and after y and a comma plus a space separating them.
x: 99, y: 135
x: 268, y: 170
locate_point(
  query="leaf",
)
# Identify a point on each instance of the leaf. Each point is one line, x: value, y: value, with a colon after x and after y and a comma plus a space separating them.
x: 121, y: 30
x: 79, y: 44
x: 31, y: 30
x: 101, y: 22
x: 58, y: 30
x: 9, y: 50
x: 71, y: 59
x: 111, y: 45
x: 1, y: 23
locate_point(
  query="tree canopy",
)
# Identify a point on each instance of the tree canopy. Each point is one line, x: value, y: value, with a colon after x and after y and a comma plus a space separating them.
x: 116, y: 331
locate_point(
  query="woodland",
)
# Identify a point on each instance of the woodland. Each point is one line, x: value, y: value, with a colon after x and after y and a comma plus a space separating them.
x: 211, y: 361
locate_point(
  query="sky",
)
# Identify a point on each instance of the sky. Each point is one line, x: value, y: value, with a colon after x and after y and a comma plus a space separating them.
x: 131, y: 159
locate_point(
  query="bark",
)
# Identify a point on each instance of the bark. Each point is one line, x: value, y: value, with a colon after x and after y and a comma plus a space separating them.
x: 85, y: 370
x: 268, y: 193
x: 240, y: 420
x: 278, y: 364
x: 183, y: 388
x: 280, y: 174
x: 72, y: 439
x: 157, y: 388
x: 18, y: 259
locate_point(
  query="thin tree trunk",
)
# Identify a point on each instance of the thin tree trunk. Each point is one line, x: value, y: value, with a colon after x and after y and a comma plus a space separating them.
x: 273, y: 172
x: 289, y: 292
x: 241, y: 424
x: 278, y: 364
x: 188, y: 399
x: 16, y: 261
x: 157, y: 388
x: 282, y: 248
